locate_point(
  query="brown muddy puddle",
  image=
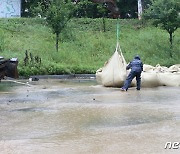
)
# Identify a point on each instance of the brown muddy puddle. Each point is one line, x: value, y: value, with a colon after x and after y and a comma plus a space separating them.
x: 80, y: 116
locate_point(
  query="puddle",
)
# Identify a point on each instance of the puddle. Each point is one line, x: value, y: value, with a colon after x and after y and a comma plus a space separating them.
x: 7, y: 86
x: 79, y: 116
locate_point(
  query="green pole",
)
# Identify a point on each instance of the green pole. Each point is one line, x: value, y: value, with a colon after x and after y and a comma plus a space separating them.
x: 118, y: 30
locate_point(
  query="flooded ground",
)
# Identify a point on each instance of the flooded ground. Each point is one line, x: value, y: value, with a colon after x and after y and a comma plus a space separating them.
x: 81, y: 117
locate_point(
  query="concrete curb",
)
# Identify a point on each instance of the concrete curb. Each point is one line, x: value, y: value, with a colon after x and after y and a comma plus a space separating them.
x: 70, y: 76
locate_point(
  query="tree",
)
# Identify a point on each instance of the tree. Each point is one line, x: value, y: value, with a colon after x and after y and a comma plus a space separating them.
x: 140, y: 9
x: 166, y: 15
x: 127, y: 8
x: 142, y: 4
x: 102, y: 10
x: 86, y: 8
x: 29, y: 8
x: 58, y: 14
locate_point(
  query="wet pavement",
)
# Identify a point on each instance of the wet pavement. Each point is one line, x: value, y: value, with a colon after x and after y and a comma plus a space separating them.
x: 79, y: 116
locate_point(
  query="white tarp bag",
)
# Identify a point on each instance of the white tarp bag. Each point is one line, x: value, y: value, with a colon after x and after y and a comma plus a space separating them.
x: 169, y: 79
x: 174, y: 68
x: 148, y: 79
x: 148, y: 68
x: 113, y: 74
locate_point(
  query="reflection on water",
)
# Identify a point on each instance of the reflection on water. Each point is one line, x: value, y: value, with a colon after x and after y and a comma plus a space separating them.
x: 7, y: 86
x: 79, y: 116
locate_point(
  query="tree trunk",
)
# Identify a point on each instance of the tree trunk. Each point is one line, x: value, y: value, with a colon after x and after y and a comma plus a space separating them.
x: 57, y: 41
x: 140, y: 10
x: 104, y: 24
x: 171, y: 42
x: 171, y: 39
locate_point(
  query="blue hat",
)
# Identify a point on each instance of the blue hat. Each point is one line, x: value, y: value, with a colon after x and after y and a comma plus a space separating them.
x: 137, y: 57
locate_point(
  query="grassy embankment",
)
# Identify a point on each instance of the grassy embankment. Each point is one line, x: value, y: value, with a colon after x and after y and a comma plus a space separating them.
x: 84, y: 47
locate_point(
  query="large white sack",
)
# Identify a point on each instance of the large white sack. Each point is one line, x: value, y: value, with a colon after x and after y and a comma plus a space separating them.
x: 113, y: 74
x: 174, y: 68
x: 148, y: 79
x: 169, y: 79
x: 160, y: 68
x: 99, y: 75
x: 148, y: 68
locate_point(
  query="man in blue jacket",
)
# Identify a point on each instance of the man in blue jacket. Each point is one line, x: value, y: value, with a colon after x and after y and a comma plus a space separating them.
x: 136, y: 67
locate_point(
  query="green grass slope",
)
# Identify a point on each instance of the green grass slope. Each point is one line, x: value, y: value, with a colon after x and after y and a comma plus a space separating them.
x: 83, y: 47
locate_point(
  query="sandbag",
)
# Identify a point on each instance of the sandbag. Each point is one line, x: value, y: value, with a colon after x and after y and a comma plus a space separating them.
x: 169, y: 79
x: 159, y: 68
x: 99, y: 75
x: 148, y: 79
x: 148, y: 68
x: 113, y: 74
x: 174, y: 68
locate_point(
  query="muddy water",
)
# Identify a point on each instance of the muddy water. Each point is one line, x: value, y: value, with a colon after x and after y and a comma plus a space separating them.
x: 79, y: 116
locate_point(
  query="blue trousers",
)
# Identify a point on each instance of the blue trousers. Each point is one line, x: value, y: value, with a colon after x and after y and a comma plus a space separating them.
x: 129, y: 79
